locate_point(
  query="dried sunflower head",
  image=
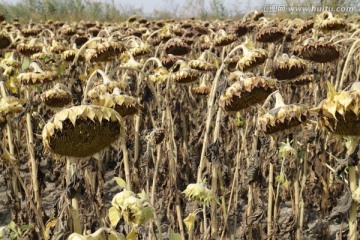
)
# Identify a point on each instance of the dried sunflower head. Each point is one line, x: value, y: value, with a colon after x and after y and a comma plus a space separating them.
x: 2, y: 18
x: 237, y: 29
x: 128, y: 60
x: 132, y: 19
x: 269, y: 34
x: 125, y: 105
x: 177, y: 48
x: 283, y: 118
x: 104, y: 51
x: 135, y: 209
x: 185, y: 74
x: 202, y: 65
x: 56, y: 47
x: 287, y: 67
x: 320, y: 52
x: 141, y: 50
x: 199, y: 192
x: 246, y: 92
x: 11, y: 62
x: 106, y: 87
x: 5, y: 40
x: 169, y: 60
x: 29, y: 48
x: 31, y: 32
x: 339, y: 112
x: 205, y: 43
x: 156, y: 136
x: 93, y: 31
x: 232, y: 63
x: 326, y: 21
x: 300, y: 29
x: 224, y: 39
x: 10, y: 105
x: 57, y: 97
x: 69, y: 55
x: 164, y: 34
x: 81, y: 131
x: 286, y: 151
x: 302, y: 80
x: 203, y: 89
x: 80, y: 40
x: 38, y: 76
x: 251, y: 57
x: 67, y: 30
x: 159, y: 75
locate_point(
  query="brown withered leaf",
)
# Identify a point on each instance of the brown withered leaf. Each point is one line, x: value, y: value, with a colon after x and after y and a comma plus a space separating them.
x: 256, y: 217
x: 343, y: 205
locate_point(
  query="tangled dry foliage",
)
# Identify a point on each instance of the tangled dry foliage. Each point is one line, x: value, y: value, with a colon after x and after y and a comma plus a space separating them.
x: 243, y: 129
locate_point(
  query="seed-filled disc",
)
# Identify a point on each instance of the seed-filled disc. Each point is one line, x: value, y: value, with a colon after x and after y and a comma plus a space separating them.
x: 283, y: 119
x: 320, y: 52
x: 246, y: 92
x: 81, y: 131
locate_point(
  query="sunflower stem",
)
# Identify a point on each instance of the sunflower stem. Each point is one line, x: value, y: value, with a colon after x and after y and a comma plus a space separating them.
x: 74, y: 203
x: 270, y: 200
x: 279, y: 102
x: 211, y: 102
x: 125, y: 156
x: 33, y: 163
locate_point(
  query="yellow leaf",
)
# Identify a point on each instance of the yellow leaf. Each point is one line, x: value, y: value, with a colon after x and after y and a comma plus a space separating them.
x: 83, y: 77
x: 112, y: 237
x: 331, y: 90
x: 189, y: 221
x: 131, y: 235
x: 92, y: 44
x: 280, y: 178
x: 12, y: 84
x: 50, y: 224
x: 7, y: 156
x: 121, y: 182
x: 93, y: 69
x: 114, y: 216
x: 286, y: 185
x: 175, y: 236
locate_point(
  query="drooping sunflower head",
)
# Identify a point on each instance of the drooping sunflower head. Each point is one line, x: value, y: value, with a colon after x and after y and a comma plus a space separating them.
x: 57, y: 97
x: 185, y: 74
x: 327, y: 22
x: 104, y: 51
x: 246, y: 92
x: 287, y: 67
x: 320, y: 52
x: 81, y: 131
x: 339, y: 112
x: 284, y: 119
